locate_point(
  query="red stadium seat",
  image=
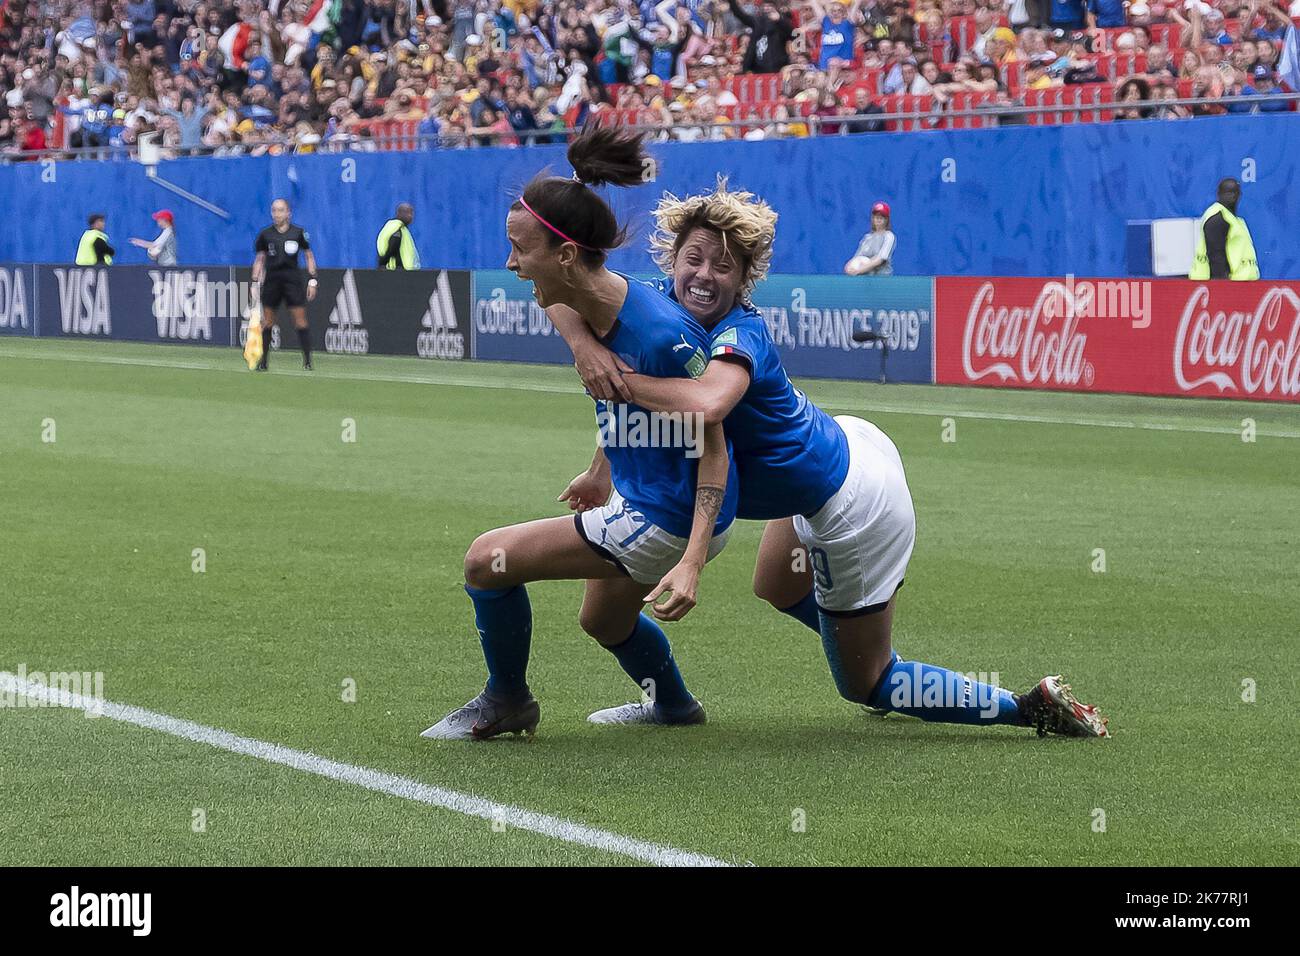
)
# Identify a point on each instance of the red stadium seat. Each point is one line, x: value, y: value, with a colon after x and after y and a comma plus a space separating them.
x: 906, y: 103
x: 395, y: 135
x: 1105, y: 64
x: 970, y: 101
x: 1129, y: 64
x: 1055, y: 96
x: 1166, y: 34
x: 1096, y: 95
x: 963, y: 32
x: 755, y: 87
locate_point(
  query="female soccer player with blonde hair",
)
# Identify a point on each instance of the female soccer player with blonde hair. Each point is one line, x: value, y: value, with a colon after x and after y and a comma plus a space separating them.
x: 832, y: 489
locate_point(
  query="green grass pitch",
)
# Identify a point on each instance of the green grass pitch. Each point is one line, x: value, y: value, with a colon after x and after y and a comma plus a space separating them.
x: 330, y: 562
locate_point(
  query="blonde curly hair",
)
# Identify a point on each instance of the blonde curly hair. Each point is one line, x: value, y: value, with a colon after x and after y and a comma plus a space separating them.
x: 746, y: 224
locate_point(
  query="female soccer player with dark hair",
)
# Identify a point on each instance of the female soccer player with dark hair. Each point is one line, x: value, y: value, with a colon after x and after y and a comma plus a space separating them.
x: 281, y: 279
x: 840, y: 523
x: 659, y: 494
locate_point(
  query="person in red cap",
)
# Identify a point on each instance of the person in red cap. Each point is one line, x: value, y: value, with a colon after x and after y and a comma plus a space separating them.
x: 163, y: 249
x: 876, y: 250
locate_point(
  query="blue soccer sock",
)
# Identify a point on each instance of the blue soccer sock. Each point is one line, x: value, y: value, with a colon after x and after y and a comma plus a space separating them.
x: 925, y: 690
x: 504, y: 618
x: 646, y: 656
x: 805, y: 612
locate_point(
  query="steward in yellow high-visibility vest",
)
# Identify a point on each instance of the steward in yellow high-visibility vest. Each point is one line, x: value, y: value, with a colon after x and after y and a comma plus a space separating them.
x: 1224, y: 249
x: 395, y: 246
x: 93, y: 249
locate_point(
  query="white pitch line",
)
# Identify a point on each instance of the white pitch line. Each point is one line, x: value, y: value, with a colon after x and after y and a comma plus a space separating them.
x: 556, y: 828
x: 559, y: 390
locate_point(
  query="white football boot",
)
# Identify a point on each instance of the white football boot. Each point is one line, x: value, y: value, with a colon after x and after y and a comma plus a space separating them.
x: 644, y: 712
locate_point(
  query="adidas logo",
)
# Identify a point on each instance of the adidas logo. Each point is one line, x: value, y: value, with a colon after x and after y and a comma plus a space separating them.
x: 442, y: 337
x: 346, y: 332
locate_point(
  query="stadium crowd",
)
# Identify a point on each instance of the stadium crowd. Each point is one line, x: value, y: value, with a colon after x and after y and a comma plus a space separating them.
x: 255, y: 76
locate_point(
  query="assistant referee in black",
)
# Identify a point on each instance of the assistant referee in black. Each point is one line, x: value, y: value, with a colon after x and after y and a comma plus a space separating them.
x: 282, y: 280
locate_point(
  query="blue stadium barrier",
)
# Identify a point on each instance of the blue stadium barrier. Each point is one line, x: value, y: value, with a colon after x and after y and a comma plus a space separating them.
x: 1012, y: 201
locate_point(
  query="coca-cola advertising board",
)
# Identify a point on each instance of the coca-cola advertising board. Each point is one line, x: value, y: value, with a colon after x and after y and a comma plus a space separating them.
x: 1162, y: 337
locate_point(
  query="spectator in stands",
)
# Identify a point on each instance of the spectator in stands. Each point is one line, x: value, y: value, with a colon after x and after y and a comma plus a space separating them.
x: 1266, y: 53
x: 1133, y: 90
x: 1036, y: 75
x: 1017, y: 13
x: 837, y: 33
x: 875, y: 252
x: 189, y: 121
x: 965, y: 79
x: 770, y: 32
x: 1067, y: 14
x: 1105, y: 14
x: 1060, y: 44
x: 829, y: 107
x: 1163, y: 93
x: 986, y: 25
x: 1265, y: 83
x: 913, y: 82
x: 933, y: 75
x: 1001, y: 48
x: 988, y: 76
x: 1158, y: 66
x: 1208, y: 83
x: 863, y: 108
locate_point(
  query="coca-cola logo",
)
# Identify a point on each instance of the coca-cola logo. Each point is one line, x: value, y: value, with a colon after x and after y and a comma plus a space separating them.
x: 1039, y: 345
x: 1253, y: 353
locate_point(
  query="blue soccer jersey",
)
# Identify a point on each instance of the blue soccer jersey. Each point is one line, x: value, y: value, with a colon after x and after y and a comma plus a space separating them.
x: 790, y: 455
x: 654, y: 457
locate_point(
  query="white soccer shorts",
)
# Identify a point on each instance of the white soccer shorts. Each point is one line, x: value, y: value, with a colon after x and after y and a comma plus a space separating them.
x: 860, y: 541
x: 624, y: 536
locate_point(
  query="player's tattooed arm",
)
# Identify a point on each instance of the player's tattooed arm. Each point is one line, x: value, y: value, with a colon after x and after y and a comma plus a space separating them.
x: 600, y: 369
x: 708, y: 502
x: 682, y: 582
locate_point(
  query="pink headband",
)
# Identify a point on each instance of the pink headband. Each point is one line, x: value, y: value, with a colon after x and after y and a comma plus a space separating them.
x: 536, y: 216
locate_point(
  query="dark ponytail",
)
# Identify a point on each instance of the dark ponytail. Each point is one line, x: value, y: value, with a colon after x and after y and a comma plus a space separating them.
x: 599, y: 156
x: 607, y: 154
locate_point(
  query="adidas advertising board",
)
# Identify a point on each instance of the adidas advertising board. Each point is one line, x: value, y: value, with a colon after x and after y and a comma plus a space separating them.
x: 346, y: 332
x: 377, y: 312
x: 441, y: 334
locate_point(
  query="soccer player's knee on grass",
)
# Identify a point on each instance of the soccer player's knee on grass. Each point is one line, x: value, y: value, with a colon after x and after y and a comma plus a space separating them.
x: 857, y: 660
